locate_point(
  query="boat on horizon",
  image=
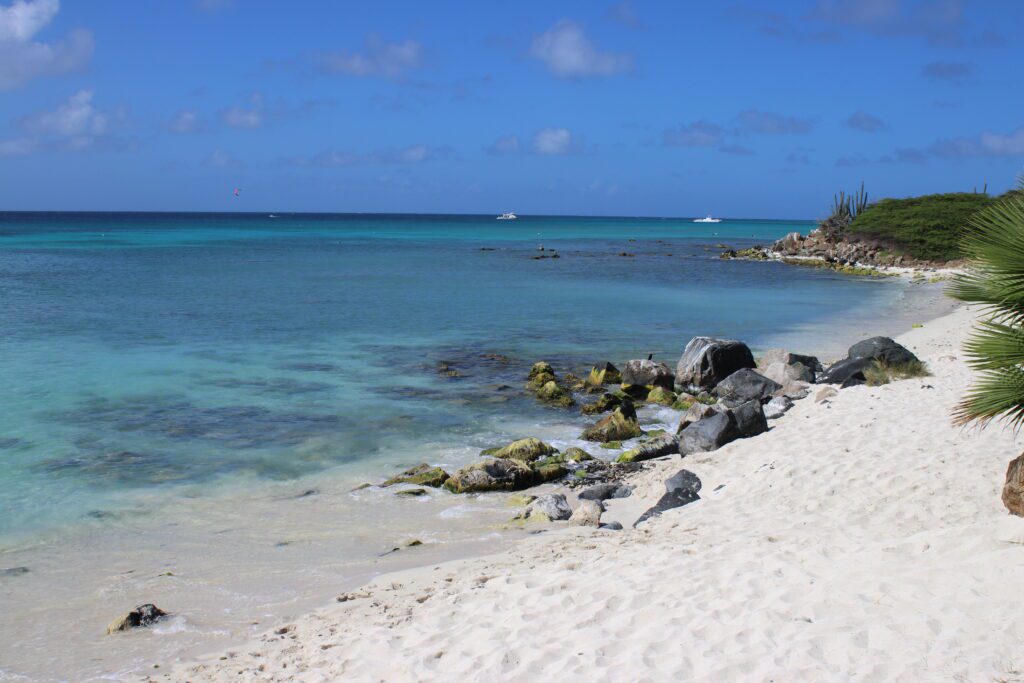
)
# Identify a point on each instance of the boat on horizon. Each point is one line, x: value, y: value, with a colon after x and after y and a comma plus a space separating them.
x: 707, y: 219
x: 507, y: 217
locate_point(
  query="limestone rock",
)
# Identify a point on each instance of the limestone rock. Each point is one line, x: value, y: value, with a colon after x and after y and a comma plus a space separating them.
x: 777, y: 407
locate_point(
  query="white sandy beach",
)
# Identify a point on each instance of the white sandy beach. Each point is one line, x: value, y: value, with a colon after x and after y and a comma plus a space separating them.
x: 861, y: 538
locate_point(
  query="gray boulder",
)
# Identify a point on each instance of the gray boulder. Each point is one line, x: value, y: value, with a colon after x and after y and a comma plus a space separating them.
x: 706, y: 361
x: 550, y: 507
x: 605, y: 491
x: 587, y: 513
x: 746, y: 385
x: 709, y: 434
x: 786, y: 358
x: 881, y: 349
x: 777, y: 407
x: 655, y: 447
x: 499, y: 474
x: 696, y: 413
x: 846, y: 373
x: 750, y: 419
x: 681, y: 489
x: 648, y: 373
x: 785, y: 374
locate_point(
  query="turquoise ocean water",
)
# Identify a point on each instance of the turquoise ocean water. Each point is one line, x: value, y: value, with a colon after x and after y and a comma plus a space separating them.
x: 143, y: 352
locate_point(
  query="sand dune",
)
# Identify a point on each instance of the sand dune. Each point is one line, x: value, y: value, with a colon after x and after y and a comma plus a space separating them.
x: 861, y: 538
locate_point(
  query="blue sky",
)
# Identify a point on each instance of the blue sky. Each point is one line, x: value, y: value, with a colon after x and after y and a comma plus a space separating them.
x: 756, y: 109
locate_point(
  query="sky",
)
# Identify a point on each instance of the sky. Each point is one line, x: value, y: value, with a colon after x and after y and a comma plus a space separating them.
x: 741, y: 109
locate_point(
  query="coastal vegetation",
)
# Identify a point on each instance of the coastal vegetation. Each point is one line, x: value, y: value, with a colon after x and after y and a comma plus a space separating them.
x: 994, y: 245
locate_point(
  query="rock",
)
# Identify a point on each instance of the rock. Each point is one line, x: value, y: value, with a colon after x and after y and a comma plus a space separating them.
x: 706, y: 361
x: 618, y: 426
x: 605, y: 491
x: 794, y: 390
x: 750, y: 419
x: 551, y: 507
x: 635, y: 392
x: 784, y: 374
x: 708, y: 434
x: 604, y: 403
x: 662, y: 396
x: 746, y: 385
x: 696, y: 413
x: 576, y: 454
x: 548, y: 471
x: 648, y: 373
x: 420, y: 475
x: 555, y: 395
x: 882, y: 349
x: 681, y: 489
x: 651, y: 448
x: 777, y: 407
x: 518, y: 500
x: 141, y: 616
x: 1013, y: 489
x: 587, y: 513
x: 541, y: 368
x: 612, y: 526
x: 846, y: 373
x: 14, y: 571
x: 526, y: 450
x: 825, y: 394
x: 412, y: 493
x: 604, y: 373
x: 772, y: 356
x: 500, y: 474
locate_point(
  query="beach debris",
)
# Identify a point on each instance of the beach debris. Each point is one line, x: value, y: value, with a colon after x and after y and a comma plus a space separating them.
x: 680, y: 489
x: 746, y: 385
x: 550, y: 507
x: 777, y: 407
x: 647, y: 372
x: 420, y: 475
x: 706, y: 361
x: 619, y: 426
x: 140, y: 617
x: 1013, y: 489
x: 651, y: 448
x: 587, y: 513
x: 605, y: 492
x: 499, y: 474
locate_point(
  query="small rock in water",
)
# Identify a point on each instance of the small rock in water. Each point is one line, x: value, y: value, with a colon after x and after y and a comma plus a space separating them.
x: 14, y: 571
x: 588, y: 513
x: 411, y: 492
x: 141, y: 616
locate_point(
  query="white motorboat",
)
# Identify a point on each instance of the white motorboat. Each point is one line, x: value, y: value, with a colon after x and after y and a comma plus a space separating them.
x: 707, y: 219
x: 507, y: 217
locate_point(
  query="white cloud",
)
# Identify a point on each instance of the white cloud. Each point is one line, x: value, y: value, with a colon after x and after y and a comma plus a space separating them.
x: 76, y: 117
x: 552, y: 141
x: 22, y: 59
x: 16, y: 147
x: 987, y: 144
x: 378, y: 59
x: 568, y: 53
x: 185, y: 121
x: 245, y: 117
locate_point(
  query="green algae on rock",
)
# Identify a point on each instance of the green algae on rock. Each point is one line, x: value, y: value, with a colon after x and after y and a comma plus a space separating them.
x: 420, y: 475
x: 500, y: 474
x: 527, y: 450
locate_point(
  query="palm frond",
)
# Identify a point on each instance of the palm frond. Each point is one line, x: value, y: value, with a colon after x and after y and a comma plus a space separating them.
x: 995, y: 345
x: 998, y: 393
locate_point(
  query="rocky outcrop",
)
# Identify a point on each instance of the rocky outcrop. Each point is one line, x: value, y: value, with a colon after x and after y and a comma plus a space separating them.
x: 681, y: 489
x: 550, y: 507
x: 527, y: 450
x: 555, y: 395
x: 500, y: 474
x: 587, y: 513
x: 648, y: 373
x: 651, y: 448
x: 141, y: 616
x: 619, y: 426
x: 882, y: 349
x: 830, y: 246
x: 746, y: 385
x: 1013, y: 489
x: 706, y: 361
x: 420, y: 475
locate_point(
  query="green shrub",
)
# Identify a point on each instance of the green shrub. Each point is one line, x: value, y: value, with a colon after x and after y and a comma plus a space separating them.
x: 882, y: 373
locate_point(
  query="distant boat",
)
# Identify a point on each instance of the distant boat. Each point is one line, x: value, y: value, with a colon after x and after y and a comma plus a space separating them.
x: 272, y: 216
x: 707, y: 219
x: 507, y: 217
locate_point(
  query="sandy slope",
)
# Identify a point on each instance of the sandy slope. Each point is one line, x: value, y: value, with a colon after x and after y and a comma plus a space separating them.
x: 862, y: 538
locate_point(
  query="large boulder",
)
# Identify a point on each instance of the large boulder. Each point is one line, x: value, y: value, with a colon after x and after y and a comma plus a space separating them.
x: 603, y: 404
x: 141, y: 616
x: 696, y: 413
x: 787, y: 374
x: 550, y: 507
x: 661, y: 396
x: 619, y: 426
x: 750, y: 419
x: 604, y: 373
x: 1013, y: 489
x: 882, y: 349
x: 847, y: 373
x: 785, y: 357
x: 527, y: 450
x: 420, y: 475
x: 681, y: 489
x: 605, y: 491
x: 648, y: 373
x: 706, y: 361
x: 651, y: 448
x: 746, y: 385
x: 709, y: 434
x: 587, y: 513
x: 500, y: 474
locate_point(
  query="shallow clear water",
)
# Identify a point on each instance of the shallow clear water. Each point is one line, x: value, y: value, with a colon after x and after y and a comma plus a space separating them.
x: 170, y: 377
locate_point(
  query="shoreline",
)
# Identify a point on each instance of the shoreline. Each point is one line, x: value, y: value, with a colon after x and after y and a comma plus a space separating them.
x: 424, y: 579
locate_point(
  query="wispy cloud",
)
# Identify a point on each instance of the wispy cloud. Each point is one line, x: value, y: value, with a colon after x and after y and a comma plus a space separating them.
x: 75, y: 124
x: 769, y: 123
x: 378, y: 58
x: 553, y: 141
x: 624, y: 14
x: 866, y: 123
x: 410, y: 154
x: 220, y: 158
x: 986, y: 144
x: 22, y: 59
x: 257, y: 112
x: 697, y: 134
x: 940, y: 22
x: 16, y: 147
x: 505, y: 145
x: 186, y: 121
x: 951, y: 72
x: 568, y: 53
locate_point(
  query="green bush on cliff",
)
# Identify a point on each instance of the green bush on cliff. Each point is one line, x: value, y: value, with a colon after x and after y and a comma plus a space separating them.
x: 927, y: 227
